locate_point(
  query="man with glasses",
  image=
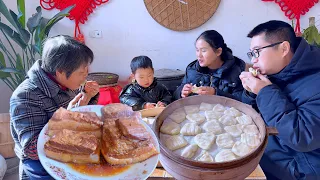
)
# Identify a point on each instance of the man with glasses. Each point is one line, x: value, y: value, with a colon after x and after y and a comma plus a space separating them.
x: 287, y: 94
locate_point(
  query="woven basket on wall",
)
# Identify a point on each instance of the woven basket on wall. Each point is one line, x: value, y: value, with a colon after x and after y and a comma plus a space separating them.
x: 181, y: 15
x: 103, y: 78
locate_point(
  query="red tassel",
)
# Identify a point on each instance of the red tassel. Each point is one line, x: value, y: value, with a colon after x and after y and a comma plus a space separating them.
x: 295, y: 8
x: 79, y: 13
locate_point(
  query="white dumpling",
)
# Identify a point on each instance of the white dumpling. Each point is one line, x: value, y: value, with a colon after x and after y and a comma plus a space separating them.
x: 189, y: 151
x: 204, y: 140
x: 190, y: 129
x: 244, y: 120
x: 178, y: 115
x: 234, y: 130
x: 191, y: 109
x: 251, y: 140
x: 213, y: 127
x: 213, y: 115
x: 196, y: 118
x: 170, y: 127
x: 241, y: 149
x: 224, y: 141
x: 218, y: 108
x: 227, y: 120
x: 175, y: 142
x: 225, y: 155
x: 205, y: 157
x: 206, y: 107
x: 251, y: 129
x: 233, y: 112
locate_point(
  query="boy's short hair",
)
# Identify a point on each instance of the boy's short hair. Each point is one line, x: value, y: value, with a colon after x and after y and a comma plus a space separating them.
x: 275, y: 31
x: 64, y: 53
x: 140, y: 62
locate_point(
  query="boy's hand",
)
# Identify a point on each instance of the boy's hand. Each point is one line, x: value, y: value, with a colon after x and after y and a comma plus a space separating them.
x: 149, y: 105
x: 186, y: 90
x: 161, y: 104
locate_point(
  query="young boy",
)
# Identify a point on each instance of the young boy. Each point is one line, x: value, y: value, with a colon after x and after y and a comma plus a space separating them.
x: 144, y: 92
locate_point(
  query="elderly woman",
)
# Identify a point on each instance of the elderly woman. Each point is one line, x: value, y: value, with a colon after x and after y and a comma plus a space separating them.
x: 52, y: 82
x: 215, y: 72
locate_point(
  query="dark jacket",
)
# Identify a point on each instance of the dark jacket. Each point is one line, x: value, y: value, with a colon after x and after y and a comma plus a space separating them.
x: 225, y: 79
x: 292, y: 105
x: 137, y: 96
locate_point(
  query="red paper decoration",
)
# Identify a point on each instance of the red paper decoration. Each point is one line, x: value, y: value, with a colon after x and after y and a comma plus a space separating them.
x: 79, y: 13
x: 295, y: 9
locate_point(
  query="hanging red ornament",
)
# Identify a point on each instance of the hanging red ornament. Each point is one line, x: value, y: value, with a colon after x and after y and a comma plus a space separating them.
x: 79, y: 13
x: 295, y: 9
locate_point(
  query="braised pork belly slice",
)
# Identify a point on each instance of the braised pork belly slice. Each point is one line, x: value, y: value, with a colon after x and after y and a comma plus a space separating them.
x: 132, y: 128
x: 126, y: 145
x: 74, y: 142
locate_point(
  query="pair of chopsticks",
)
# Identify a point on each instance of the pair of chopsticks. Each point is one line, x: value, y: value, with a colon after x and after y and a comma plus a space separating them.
x: 81, y: 90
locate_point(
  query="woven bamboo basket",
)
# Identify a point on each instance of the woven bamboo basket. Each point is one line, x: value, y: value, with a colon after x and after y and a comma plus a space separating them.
x: 103, y: 78
x: 6, y: 141
x: 181, y: 15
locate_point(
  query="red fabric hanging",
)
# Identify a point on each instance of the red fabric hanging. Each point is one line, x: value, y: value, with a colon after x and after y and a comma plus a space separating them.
x: 79, y: 13
x: 295, y: 9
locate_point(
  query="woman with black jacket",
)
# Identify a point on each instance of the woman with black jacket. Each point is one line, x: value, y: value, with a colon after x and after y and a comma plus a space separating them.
x: 215, y: 72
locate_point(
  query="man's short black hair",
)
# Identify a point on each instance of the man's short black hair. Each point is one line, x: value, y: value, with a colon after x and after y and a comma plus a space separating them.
x: 275, y: 31
x: 140, y: 62
x: 65, y: 54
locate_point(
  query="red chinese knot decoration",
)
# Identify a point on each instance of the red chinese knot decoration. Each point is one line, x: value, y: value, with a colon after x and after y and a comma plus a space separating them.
x: 295, y: 9
x: 79, y: 13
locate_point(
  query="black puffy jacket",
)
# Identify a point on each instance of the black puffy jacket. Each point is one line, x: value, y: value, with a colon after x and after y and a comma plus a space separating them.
x: 136, y: 96
x: 225, y: 79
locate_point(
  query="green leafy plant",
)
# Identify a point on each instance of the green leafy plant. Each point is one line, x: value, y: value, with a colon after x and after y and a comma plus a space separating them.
x: 15, y: 62
x: 311, y: 34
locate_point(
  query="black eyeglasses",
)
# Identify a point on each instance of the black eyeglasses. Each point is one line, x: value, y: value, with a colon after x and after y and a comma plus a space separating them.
x: 256, y: 52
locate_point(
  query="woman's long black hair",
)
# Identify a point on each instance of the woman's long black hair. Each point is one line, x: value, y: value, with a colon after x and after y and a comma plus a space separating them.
x: 215, y: 40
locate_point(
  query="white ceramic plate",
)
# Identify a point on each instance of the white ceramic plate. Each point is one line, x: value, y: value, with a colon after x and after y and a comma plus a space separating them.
x: 58, y: 170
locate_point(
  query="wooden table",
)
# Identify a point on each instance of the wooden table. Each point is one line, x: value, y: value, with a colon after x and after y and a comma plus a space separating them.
x: 160, y: 173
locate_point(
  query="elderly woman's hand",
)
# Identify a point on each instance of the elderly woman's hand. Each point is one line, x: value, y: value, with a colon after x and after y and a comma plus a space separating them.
x: 91, y: 88
x: 186, y: 90
x: 206, y: 90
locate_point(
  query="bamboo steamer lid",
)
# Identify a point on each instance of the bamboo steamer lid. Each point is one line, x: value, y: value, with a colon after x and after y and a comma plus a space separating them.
x: 181, y: 15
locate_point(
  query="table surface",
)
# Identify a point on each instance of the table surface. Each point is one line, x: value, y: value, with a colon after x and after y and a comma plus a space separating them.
x: 160, y: 173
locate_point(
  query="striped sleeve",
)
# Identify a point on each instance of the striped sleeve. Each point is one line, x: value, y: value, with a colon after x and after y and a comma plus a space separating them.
x: 31, y: 150
x: 28, y: 118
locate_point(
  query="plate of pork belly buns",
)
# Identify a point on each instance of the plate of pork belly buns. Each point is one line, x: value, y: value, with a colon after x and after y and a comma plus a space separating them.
x: 98, y: 142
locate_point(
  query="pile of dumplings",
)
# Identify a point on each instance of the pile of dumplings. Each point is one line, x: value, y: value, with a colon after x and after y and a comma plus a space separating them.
x: 210, y: 133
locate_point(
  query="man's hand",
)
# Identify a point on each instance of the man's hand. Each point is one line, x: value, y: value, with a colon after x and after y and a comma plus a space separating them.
x: 206, y: 90
x: 149, y: 105
x: 186, y: 90
x: 91, y: 88
x: 253, y: 84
